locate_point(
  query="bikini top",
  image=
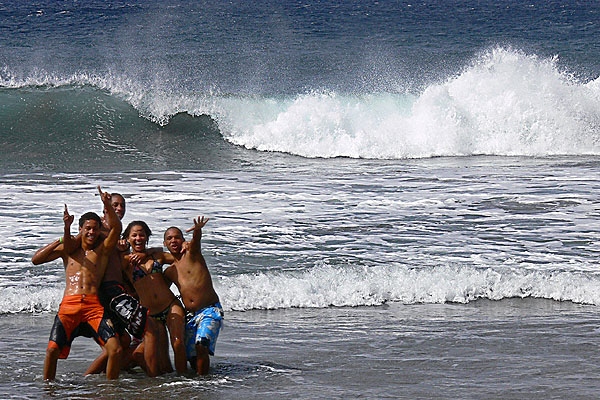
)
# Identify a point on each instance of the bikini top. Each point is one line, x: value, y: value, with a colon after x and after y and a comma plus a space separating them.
x: 139, y: 272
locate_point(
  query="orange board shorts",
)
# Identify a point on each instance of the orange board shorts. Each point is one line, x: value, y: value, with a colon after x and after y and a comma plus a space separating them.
x: 79, y: 315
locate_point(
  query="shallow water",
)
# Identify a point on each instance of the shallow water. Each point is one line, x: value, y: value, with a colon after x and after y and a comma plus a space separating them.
x: 508, y: 349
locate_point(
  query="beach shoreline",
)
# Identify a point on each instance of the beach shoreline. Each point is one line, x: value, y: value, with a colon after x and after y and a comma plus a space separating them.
x: 504, y: 349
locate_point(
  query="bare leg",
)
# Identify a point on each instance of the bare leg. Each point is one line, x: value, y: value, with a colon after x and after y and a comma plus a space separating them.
x: 164, y: 362
x: 50, y: 363
x: 176, y: 324
x: 127, y: 356
x: 113, y: 365
x: 149, y: 349
x: 202, y: 360
x: 138, y: 356
x: 99, y: 364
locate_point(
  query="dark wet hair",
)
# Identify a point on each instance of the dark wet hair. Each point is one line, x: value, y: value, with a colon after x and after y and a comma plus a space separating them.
x: 89, y: 216
x: 168, y: 229
x: 137, y: 223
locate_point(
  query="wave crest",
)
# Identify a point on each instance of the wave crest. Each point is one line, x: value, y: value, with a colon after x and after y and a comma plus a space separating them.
x: 326, y: 286
x: 504, y: 102
x: 334, y: 286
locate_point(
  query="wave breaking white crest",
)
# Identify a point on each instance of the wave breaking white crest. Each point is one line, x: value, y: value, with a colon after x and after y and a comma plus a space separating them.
x: 505, y: 103
x: 327, y: 286
x: 351, y: 286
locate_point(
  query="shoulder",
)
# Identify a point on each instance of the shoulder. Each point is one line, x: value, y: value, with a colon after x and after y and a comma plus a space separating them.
x: 99, y: 245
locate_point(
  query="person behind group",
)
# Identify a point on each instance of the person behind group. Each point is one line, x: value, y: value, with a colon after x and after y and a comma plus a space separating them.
x: 144, y: 268
x: 80, y: 311
x: 192, y: 277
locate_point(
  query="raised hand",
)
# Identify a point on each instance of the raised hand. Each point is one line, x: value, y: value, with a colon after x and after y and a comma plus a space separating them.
x: 105, y: 197
x: 67, y: 218
x: 198, y: 224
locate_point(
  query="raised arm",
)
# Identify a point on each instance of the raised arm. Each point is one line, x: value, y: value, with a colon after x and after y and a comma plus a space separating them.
x: 113, y: 221
x: 194, y: 247
x: 69, y: 242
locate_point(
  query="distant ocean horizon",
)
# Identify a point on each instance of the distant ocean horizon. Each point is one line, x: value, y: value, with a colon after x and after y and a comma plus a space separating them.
x: 401, y: 195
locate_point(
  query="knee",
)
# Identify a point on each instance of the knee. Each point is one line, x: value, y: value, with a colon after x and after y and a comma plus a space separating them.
x: 117, y: 352
x: 52, y: 353
x: 113, y: 348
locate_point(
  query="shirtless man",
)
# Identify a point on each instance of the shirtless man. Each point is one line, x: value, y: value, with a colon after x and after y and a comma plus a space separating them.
x: 190, y: 273
x: 80, y: 311
x: 123, y: 309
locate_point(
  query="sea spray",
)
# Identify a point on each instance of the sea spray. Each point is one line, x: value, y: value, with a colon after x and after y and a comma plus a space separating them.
x: 505, y: 103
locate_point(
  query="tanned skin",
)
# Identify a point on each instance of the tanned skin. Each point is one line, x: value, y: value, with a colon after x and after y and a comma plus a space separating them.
x: 191, y: 275
x: 85, y: 263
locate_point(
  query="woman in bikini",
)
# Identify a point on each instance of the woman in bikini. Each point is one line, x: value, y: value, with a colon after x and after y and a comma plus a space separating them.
x: 144, y: 268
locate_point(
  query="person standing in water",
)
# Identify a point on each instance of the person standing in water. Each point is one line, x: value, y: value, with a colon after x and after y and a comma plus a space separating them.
x: 144, y: 268
x: 120, y: 300
x: 192, y: 277
x: 80, y: 311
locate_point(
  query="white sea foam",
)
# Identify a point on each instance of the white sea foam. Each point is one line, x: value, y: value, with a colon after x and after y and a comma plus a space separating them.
x: 30, y: 299
x: 350, y: 286
x: 325, y: 286
x: 320, y: 233
x: 504, y: 102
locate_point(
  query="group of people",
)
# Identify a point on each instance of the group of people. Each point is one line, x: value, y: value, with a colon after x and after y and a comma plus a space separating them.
x: 119, y: 293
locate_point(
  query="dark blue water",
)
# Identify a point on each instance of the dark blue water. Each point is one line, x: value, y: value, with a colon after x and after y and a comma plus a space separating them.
x: 279, y: 47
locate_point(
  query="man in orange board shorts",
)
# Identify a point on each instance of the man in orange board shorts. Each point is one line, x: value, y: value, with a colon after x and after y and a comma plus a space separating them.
x: 80, y: 312
x: 118, y: 298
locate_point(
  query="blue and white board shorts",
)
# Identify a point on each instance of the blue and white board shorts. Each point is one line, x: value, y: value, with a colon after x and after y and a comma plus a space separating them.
x: 203, y: 328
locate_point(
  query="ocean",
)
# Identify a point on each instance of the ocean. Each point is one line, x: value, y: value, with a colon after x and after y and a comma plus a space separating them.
x: 403, y: 196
